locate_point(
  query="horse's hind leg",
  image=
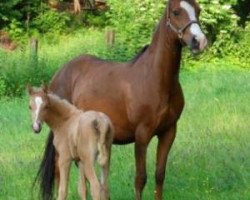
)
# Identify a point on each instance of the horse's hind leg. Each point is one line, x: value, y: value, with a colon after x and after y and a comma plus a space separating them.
x: 82, y: 184
x: 90, y: 174
x: 104, y: 177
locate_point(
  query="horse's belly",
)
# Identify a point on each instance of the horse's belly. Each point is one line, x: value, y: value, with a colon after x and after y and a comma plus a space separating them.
x: 123, y: 137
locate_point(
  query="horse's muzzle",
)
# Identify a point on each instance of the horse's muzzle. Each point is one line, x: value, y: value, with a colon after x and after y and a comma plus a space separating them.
x: 198, y: 44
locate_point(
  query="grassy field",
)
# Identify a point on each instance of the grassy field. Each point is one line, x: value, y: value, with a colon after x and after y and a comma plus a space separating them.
x: 209, y: 160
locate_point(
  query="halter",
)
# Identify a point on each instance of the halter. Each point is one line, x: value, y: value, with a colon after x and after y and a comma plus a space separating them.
x: 179, y: 31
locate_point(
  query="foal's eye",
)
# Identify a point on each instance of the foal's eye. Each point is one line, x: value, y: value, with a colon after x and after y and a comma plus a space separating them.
x: 176, y: 12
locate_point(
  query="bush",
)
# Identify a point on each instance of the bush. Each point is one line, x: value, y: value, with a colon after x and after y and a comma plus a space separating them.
x: 18, y: 69
x: 51, y: 21
x: 2, y: 87
x: 132, y: 25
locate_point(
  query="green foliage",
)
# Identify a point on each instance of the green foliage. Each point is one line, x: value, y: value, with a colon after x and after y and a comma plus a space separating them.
x: 19, y: 10
x: 16, y: 30
x: 2, y: 87
x: 220, y: 24
x: 51, y: 21
x: 134, y: 24
x: 134, y: 27
x: 19, y: 70
x: 240, y: 55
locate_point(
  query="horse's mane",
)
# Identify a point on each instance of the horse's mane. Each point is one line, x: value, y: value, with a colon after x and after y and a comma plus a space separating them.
x: 138, y: 55
x: 63, y: 104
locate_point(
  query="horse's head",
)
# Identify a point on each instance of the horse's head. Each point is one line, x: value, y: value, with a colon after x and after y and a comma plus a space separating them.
x: 38, y: 105
x: 183, y: 19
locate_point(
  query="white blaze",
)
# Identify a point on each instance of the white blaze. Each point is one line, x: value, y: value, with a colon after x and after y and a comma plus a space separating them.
x: 38, y: 102
x: 194, y: 28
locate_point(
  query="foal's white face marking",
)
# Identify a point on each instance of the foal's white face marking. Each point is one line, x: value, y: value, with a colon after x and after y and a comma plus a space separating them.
x: 38, y: 102
x: 194, y: 28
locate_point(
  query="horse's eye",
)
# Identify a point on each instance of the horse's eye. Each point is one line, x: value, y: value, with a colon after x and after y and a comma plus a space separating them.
x: 176, y: 12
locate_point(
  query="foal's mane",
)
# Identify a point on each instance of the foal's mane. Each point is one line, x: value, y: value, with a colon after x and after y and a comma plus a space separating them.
x: 61, y: 105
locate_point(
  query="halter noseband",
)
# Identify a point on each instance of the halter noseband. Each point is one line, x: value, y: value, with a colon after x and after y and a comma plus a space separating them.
x: 179, y: 31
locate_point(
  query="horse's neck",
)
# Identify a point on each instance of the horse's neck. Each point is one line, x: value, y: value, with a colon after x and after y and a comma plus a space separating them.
x: 164, y: 54
x: 58, y: 112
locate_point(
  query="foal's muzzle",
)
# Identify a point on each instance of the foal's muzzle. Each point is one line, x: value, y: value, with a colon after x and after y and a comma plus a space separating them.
x: 37, y: 127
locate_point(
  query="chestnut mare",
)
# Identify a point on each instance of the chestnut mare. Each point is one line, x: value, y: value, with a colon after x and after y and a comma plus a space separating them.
x: 142, y: 97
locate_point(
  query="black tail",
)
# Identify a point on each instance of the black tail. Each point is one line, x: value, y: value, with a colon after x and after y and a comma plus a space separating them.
x: 46, y: 173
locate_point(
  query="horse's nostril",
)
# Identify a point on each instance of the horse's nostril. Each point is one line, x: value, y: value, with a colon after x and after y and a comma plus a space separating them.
x: 195, y: 43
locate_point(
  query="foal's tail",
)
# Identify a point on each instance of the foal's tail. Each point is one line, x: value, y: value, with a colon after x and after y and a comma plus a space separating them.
x: 46, y: 173
x: 104, y: 143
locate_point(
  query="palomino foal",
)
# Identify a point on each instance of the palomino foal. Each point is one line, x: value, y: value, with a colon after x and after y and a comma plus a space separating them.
x: 80, y: 136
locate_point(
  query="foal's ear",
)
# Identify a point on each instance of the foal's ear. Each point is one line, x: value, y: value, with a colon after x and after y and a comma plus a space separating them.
x: 45, y: 88
x: 30, y: 89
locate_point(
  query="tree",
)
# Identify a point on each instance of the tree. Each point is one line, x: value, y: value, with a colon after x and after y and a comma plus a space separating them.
x: 77, y: 6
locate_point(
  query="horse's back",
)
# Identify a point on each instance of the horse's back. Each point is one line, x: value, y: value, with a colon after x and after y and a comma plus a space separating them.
x: 79, y: 70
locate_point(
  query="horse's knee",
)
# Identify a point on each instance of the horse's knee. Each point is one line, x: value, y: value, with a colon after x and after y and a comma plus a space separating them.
x: 159, y: 177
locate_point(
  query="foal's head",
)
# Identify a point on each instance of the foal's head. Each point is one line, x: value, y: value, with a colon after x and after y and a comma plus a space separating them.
x: 38, y: 105
x: 183, y: 19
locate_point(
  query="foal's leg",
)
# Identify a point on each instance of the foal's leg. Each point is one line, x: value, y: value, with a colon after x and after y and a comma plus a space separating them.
x: 90, y: 174
x: 64, y: 167
x: 104, y: 177
x: 82, y: 184
x: 141, y: 143
x: 165, y: 142
x: 57, y: 172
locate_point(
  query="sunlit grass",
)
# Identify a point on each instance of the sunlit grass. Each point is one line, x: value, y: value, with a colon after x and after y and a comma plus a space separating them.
x: 209, y: 159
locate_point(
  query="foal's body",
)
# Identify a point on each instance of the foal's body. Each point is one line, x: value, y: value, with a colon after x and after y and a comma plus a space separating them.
x: 82, y: 137
x: 143, y: 97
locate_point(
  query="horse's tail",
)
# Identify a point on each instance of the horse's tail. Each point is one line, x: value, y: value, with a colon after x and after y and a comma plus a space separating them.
x: 46, y: 173
x: 105, y: 142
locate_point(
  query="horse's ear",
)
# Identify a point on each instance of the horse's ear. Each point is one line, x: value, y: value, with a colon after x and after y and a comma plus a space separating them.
x: 30, y: 89
x: 45, y: 88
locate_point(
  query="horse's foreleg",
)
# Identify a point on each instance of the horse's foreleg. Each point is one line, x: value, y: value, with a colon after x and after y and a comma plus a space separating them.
x: 64, y: 167
x: 165, y: 141
x: 82, y: 185
x: 141, y: 144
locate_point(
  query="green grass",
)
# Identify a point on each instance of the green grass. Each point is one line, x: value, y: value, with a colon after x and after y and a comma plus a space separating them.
x: 209, y: 159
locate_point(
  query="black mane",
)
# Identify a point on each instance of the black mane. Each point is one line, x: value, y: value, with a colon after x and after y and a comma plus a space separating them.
x: 138, y: 55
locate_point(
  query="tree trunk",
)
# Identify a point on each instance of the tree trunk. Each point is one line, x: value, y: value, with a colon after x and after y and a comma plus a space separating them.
x: 77, y: 6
